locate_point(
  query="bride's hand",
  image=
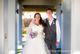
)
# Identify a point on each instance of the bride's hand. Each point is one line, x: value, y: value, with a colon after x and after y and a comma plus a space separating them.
x: 33, y: 34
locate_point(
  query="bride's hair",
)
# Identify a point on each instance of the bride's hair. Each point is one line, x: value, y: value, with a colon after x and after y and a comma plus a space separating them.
x: 41, y: 20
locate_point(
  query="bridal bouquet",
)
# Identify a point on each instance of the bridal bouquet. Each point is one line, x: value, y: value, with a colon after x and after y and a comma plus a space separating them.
x: 33, y: 34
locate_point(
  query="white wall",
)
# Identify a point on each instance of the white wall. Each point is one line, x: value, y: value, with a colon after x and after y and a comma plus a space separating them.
x: 11, y: 26
x: 71, y: 26
x: 75, y: 26
x: 66, y: 45
x: 7, y: 26
x: 1, y: 27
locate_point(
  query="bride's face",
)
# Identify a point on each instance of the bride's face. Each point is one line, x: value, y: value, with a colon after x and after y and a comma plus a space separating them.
x: 36, y: 19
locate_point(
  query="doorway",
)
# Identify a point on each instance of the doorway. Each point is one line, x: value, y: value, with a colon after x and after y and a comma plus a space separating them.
x: 26, y: 11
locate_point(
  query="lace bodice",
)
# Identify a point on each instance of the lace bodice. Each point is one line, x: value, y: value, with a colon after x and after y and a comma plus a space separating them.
x: 38, y: 30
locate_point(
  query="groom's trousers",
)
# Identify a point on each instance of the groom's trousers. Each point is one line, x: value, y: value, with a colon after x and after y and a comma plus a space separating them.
x: 51, y: 46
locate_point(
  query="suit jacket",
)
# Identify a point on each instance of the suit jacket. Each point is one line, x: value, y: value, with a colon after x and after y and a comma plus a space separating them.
x: 50, y: 30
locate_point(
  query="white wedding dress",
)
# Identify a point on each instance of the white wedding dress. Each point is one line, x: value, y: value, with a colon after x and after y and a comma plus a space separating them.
x: 37, y: 44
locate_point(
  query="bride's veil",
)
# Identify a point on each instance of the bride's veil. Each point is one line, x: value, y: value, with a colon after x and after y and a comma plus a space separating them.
x: 29, y: 30
x: 28, y: 37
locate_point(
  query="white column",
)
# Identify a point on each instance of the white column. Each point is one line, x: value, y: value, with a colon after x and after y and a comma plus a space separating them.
x: 66, y: 45
x: 75, y: 26
x: 5, y: 26
x: 1, y: 27
x: 11, y: 26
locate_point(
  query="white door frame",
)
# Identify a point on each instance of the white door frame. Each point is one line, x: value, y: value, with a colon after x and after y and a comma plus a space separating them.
x: 7, y: 26
x: 11, y: 26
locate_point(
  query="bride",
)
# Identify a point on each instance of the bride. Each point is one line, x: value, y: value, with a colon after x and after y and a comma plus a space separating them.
x: 35, y: 43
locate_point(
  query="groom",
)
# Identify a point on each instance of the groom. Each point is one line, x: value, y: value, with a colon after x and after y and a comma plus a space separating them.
x: 51, y: 31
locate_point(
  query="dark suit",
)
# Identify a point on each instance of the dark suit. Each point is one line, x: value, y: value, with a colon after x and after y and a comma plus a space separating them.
x: 50, y: 35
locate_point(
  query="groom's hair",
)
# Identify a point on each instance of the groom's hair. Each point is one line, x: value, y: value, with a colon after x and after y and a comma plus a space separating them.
x: 49, y: 9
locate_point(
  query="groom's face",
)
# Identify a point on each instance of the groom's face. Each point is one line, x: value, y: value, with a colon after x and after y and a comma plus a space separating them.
x: 49, y: 13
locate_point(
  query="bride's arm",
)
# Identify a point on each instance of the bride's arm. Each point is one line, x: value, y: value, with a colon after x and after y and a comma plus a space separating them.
x: 29, y: 30
x: 32, y: 22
